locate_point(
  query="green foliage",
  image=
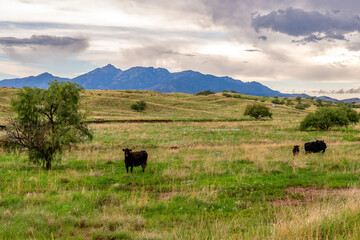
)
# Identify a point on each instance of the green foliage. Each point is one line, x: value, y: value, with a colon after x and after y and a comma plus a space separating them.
x: 289, y: 102
x: 298, y: 98
x: 233, y: 91
x: 226, y: 94
x: 319, y: 102
x: 205, y: 93
x: 275, y: 101
x: 139, y: 106
x: 47, y: 122
x: 302, y: 106
x: 257, y: 111
x: 327, y: 117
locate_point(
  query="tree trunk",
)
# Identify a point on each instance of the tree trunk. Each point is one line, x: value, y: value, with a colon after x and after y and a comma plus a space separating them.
x: 48, y: 165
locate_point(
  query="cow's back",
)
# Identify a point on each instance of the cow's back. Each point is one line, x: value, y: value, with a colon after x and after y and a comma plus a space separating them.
x: 140, y: 157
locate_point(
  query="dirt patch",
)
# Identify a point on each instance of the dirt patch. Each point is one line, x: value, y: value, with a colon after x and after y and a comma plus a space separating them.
x: 167, y: 195
x: 301, y: 195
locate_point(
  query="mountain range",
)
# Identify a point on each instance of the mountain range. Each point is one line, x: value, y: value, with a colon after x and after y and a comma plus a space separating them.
x: 153, y: 79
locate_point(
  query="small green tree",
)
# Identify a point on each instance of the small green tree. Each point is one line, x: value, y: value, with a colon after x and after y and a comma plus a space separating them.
x: 47, y: 122
x: 328, y: 117
x: 139, y: 106
x: 205, y: 93
x: 257, y: 111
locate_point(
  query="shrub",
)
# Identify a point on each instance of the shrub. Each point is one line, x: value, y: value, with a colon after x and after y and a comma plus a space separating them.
x: 204, y: 93
x: 275, y: 101
x: 289, y: 102
x: 233, y: 91
x: 302, y: 106
x: 138, y: 106
x: 327, y: 117
x: 257, y: 111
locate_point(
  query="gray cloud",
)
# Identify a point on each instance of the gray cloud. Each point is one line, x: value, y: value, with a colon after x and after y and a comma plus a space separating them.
x: 313, y: 24
x: 318, y: 37
x: 252, y: 50
x: 341, y: 91
x: 78, y: 44
x: 264, y: 38
x: 42, y: 47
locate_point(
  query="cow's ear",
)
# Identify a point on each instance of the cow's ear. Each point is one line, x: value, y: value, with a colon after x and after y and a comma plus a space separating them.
x: 123, y: 150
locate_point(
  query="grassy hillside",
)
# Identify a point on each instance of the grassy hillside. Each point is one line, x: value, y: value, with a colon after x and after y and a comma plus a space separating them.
x: 115, y: 105
x: 204, y: 180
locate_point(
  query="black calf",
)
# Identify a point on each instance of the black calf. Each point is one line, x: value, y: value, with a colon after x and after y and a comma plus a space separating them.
x: 135, y: 159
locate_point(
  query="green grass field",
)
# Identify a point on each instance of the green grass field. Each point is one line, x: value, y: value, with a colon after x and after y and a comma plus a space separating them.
x: 204, y: 180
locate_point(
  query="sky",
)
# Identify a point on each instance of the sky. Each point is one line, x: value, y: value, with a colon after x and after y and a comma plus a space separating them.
x: 310, y: 46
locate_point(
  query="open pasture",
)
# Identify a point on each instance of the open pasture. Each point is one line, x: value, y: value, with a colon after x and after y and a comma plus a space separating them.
x: 204, y: 180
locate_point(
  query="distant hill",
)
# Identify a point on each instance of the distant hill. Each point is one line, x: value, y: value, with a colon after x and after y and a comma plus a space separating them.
x: 154, y: 79
x: 40, y: 81
x: 351, y: 100
x: 161, y: 80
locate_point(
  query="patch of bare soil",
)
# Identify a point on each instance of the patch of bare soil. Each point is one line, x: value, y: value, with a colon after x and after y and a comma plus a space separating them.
x: 303, y: 195
x: 167, y: 195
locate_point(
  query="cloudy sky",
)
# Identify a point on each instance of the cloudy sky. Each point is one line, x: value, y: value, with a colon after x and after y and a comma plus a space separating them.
x: 288, y: 45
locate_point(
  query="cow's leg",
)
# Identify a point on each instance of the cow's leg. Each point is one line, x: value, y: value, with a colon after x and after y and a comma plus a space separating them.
x: 132, y: 167
x: 127, y: 169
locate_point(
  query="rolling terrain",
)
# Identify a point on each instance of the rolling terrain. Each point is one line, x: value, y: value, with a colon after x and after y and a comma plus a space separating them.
x: 223, y: 176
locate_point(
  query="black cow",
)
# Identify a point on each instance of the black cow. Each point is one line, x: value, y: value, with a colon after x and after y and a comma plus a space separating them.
x: 135, y: 159
x: 296, y: 150
x: 314, y: 147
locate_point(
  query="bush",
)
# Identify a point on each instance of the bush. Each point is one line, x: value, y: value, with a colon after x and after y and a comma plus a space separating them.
x: 275, y: 101
x: 138, y: 106
x: 289, y: 102
x: 327, y: 117
x: 257, y: 111
x: 204, y: 93
x: 302, y: 106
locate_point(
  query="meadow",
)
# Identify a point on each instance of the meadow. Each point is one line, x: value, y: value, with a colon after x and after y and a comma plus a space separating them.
x: 223, y: 176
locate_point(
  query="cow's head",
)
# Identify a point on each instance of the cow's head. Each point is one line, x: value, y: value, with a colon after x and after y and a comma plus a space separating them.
x: 296, y: 147
x: 127, y: 152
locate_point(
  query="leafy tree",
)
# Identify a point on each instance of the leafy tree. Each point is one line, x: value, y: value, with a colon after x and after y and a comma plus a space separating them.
x: 139, y: 106
x: 351, y: 114
x: 319, y: 102
x: 298, y: 98
x: 275, y: 101
x: 302, y: 106
x: 47, y: 122
x: 289, y: 102
x: 328, y: 117
x: 206, y: 92
x: 257, y: 111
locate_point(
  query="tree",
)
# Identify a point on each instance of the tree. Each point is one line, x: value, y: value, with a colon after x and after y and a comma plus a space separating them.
x: 139, y: 106
x: 206, y: 92
x: 47, y: 122
x: 257, y: 111
x: 328, y: 117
